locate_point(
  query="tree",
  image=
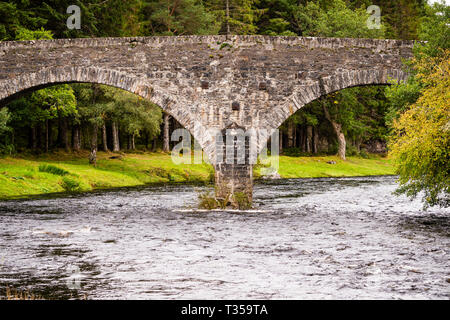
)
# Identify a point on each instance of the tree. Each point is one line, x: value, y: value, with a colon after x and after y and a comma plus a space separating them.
x: 279, y: 18
x: 4, y: 130
x: 131, y: 114
x: 236, y: 16
x: 166, y: 137
x: 336, y: 20
x: 338, y: 130
x: 99, y: 18
x: 420, y: 113
x: 25, y: 34
x: 59, y: 102
x: 177, y: 17
x: 421, y: 138
x: 15, y: 15
x: 4, y: 118
x: 91, y: 102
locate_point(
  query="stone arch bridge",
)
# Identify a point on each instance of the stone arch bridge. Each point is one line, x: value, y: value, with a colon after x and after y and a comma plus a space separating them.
x: 209, y: 82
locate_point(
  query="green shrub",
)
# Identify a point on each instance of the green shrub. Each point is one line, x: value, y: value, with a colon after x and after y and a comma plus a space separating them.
x: 332, y: 149
x: 52, y: 169
x: 207, y: 201
x: 351, y: 150
x: 363, y: 153
x: 242, y: 201
x: 70, y: 184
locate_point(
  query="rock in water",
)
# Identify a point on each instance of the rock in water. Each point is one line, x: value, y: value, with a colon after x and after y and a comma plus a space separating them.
x: 273, y: 175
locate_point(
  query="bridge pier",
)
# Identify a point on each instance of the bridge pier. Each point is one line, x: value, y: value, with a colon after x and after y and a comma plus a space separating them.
x: 234, y: 184
x: 234, y: 167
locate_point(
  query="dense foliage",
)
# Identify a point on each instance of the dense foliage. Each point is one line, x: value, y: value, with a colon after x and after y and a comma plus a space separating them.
x: 420, y: 114
x: 421, y: 138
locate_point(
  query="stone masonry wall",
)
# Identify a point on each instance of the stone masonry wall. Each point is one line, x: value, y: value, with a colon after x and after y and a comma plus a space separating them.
x: 198, y: 78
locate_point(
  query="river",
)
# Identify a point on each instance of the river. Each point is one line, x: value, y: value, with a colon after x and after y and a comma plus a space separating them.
x: 330, y: 238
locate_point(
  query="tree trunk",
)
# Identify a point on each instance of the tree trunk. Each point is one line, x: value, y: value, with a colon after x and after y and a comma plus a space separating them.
x: 33, y: 143
x: 39, y: 136
x: 315, y: 140
x: 309, y: 135
x: 290, y: 134
x: 295, y: 135
x: 166, y: 138
x: 80, y: 137
x: 358, y: 144
x: 93, y: 154
x: 64, y: 136
x: 62, y: 139
x: 73, y: 137
x: 338, y: 130
x: 133, y: 146
x: 105, y: 138
x: 59, y: 140
x: 342, y: 143
x: 155, y: 141
x: 115, y: 133
x: 76, y: 139
x: 122, y: 142
x: 303, y: 140
x: 281, y: 142
x: 145, y: 141
x: 47, y: 135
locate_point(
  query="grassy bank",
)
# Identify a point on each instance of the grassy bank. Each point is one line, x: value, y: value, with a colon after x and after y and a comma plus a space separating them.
x: 59, y: 172
x: 315, y: 167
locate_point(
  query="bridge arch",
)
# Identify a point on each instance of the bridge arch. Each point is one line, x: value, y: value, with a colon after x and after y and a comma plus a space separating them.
x: 139, y: 86
x: 307, y: 93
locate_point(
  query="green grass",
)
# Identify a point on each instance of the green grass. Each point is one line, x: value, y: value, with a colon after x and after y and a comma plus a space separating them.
x: 315, y: 167
x: 25, y: 176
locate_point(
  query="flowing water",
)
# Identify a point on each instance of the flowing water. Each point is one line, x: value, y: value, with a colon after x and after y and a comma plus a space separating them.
x: 333, y: 238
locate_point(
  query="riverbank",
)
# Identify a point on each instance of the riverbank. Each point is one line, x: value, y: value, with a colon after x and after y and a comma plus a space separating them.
x: 24, y: 176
